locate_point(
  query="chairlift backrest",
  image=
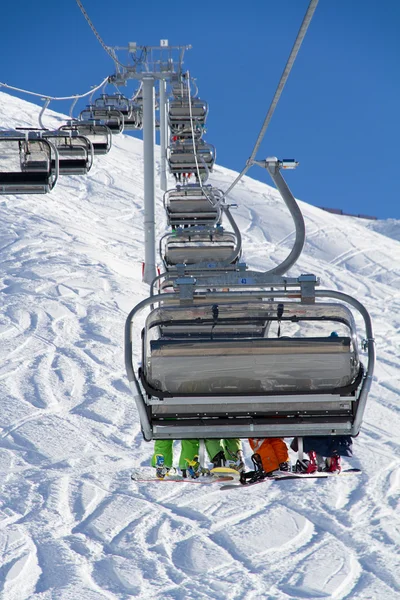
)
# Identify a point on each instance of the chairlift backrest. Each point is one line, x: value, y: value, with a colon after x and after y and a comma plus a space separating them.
x: 187, y: 248
x: 248, y: 365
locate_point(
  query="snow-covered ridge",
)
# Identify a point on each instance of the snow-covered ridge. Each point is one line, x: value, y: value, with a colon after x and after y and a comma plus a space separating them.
x: 73, y: 524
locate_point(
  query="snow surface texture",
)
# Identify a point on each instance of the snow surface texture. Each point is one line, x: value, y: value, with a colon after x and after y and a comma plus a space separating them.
x: 73, y: 525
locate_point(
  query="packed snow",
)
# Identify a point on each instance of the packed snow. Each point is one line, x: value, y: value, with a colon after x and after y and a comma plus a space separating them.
x: 73, y: 524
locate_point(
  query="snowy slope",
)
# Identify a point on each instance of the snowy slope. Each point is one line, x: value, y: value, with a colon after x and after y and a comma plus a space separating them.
x: 73, y: 525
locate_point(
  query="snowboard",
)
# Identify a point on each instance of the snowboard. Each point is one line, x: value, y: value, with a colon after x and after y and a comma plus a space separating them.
x: 285, y: 475
x: 217, y: 475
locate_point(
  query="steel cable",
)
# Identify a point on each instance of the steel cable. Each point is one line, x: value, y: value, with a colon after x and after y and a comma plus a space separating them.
x: 292, y: 57
x: 92, y: 27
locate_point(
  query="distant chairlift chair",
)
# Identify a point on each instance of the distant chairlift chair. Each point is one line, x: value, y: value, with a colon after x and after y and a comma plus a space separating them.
x: 99, y: 135
x: 111, y: 117
x: 28, y: 165
x: 192, y: 205
x: 132, y: 112
x: 183, y: 158
x: 75, y: 151
x: 196, y: 244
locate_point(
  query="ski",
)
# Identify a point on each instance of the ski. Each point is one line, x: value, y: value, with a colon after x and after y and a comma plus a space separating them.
x: 283, y: 476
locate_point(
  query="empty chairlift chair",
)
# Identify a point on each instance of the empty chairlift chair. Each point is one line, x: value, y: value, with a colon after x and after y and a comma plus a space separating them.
x: 75, y: 152
x: 99, y: 135
x: 28, y: 165
x: 111, y: 117
x: 132, y: 113
x: 192, y: 205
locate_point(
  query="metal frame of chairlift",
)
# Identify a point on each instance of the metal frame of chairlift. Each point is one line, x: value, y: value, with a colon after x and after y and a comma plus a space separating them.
x: 75, y: 152
x: 179, y: 110
x: 36, y: 176
x: 94, y: 132
x: 206, y: 238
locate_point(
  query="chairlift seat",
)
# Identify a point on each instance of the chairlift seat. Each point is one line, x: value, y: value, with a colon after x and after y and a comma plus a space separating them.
x: 73, y: 166
x: 27, y: 182
x: 34, y: 163
x: 199, y: 248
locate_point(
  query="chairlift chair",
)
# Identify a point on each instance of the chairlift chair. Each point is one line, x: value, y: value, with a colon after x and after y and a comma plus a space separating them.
x: 181, y: 110
x: 117, y: 101
x: 99, y: 135
x: 193, y: 245
x: 132, y: 113
x: 75, y: 152
x: 111, y: 117
x: 223, y: 366
x: 28, y: 165
x: 183, y: 158
x: 192, y: 205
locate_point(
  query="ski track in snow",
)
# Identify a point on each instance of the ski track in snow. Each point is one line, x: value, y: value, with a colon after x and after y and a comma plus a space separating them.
x: 72, y: 523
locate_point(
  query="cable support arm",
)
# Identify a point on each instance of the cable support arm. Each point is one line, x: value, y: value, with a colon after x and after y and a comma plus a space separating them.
x: 292, y: 57
x: 273, y: 166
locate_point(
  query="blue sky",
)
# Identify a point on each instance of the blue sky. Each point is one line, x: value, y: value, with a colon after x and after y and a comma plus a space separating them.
x: 339, y: 112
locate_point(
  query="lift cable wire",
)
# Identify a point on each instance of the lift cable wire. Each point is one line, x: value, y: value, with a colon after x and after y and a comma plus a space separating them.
x: 193, y: 137
x: 77, y: 96
x: 92, y: 27
x: 292, y: 57
x: 205, y: 192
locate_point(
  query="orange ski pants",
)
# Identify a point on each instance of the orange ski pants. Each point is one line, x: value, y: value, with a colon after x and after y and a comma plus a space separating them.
x: 273, y: 452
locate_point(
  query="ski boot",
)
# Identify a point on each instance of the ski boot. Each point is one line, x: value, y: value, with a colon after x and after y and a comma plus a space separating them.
x: 236, y: 461
x: 194, y: 469
x: 307, y: 466
x: 218, y: 460
x: 285, y: 466
x: 333, y: 464
x: 161, y: 469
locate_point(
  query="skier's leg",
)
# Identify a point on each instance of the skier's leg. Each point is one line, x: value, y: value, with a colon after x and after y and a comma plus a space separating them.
x: 281, y: 453
x: 189, y: 449
x: 215, y: 451
x: 163, y: 447
x: 234, y: 454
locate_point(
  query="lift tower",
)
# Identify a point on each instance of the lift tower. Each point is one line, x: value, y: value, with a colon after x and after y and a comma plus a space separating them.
x: 151, y: 64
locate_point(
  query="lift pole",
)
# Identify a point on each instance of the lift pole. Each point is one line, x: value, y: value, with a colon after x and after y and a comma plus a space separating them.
x: 150, y: 63
x: 149, y: 179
